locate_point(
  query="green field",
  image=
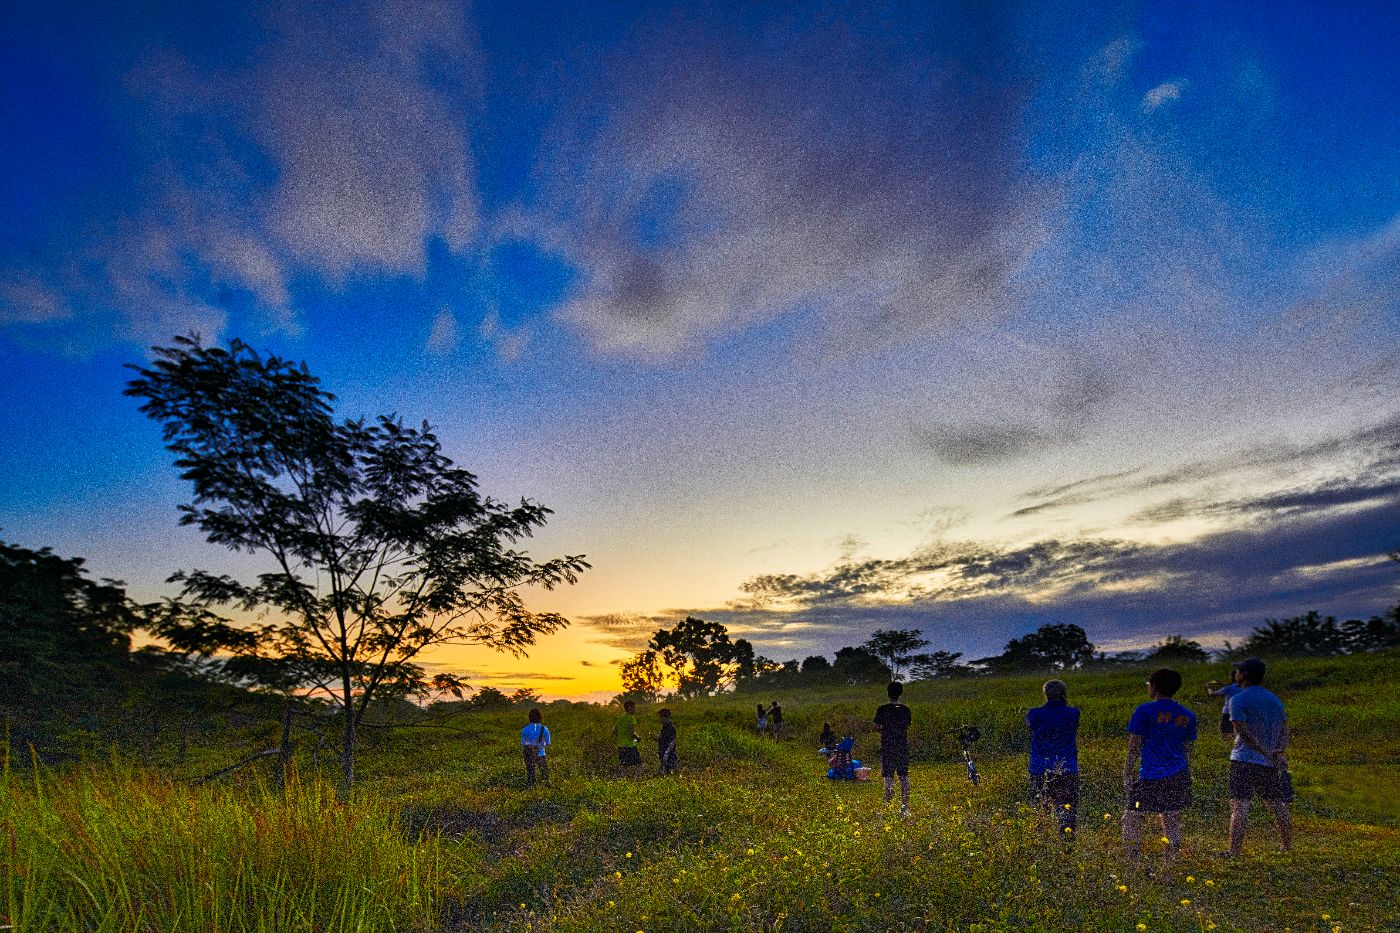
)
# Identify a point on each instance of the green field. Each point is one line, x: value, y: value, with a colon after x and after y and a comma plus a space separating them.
x: 442, y: 833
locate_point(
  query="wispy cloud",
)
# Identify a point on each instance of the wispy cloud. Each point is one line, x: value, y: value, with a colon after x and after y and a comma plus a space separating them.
x: 731, y: 184
x: 336, y: 144
x: 973, y: 597
x: 1164, y: 93
x: 442, y: 338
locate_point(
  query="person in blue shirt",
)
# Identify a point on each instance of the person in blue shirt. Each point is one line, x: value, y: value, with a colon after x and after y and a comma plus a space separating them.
x: 1054, y: 759
x: 1225, y: 692
x: 1157, y: 773
x: 534, y: 741
x: 1257, y: 762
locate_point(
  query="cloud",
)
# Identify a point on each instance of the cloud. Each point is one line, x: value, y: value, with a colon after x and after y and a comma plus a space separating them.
x: 28, y: 300
x: 442, y: 338
x: 845, y: 167
x: 1371, y: 450
x: 628, y: 632
x: 508, y: 343
x: 1163, y: 93
x: 986, y: 443
x: 301, y: 141
x: 974, y: 597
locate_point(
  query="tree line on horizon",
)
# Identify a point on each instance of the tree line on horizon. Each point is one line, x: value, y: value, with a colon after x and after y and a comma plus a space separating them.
x: 697, y: 657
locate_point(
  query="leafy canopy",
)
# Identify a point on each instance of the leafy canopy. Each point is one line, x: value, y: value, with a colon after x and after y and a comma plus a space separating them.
x: 379, y: 547
x: 697, y: 656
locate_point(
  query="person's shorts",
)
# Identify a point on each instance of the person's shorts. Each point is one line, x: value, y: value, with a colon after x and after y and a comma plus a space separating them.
x: 1057, y: 787
x: 1164, y: 795
x: 628, y: 755
x: 894, y: 762
x: 1248, y: 779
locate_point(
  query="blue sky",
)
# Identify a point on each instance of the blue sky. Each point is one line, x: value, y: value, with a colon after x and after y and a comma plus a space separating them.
x: 761, y: 301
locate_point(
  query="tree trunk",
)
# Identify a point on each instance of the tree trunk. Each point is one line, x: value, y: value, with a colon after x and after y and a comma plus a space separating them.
x: 279, y: 777
x: 347, y: 752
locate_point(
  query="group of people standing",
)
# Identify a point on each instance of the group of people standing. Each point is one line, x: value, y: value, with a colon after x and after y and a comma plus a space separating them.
x: 1157, y: 767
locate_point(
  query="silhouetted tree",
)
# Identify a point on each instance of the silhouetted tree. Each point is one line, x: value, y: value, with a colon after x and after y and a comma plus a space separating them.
x: 937, y: 664
x: 489, y: 698
x: 859, y: 666
x: 701, y: 657
x: 1179, y: 650
x: 1377, y: 633
x: 65, y: 642
x: 380, y: 547
x: 1307, y: 634
x: 1056, y: 646
x: 896, y: 647
x: 643, y: 680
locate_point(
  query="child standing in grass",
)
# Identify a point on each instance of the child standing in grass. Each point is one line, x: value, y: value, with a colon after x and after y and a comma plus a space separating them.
x: 628, y: 757
x: 666, y: 743
x: 534, y: 739
x: 892, y: 721
x: 1054, y: 759
x: 1160, y: 732
x: 762, y: 721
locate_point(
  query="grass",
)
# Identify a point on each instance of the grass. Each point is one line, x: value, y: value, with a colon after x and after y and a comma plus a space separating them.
x: 115, y: 849
x: 443, y: 834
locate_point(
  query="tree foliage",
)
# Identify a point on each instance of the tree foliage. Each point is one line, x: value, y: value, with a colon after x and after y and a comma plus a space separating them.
x: 643, y: 678
x: 1307, y: 634
x: 937, y: 664
x: 859, y: 666
x: 1177, y: 649
x: 378, y: 546
x: 1378, y: 633
x: 1057, y: 646
x: 702, y: 658
x: 897, y: 648
x: 65, y: 643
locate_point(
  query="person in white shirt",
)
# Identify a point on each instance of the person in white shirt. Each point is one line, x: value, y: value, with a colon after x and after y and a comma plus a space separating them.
x: 534, y: 739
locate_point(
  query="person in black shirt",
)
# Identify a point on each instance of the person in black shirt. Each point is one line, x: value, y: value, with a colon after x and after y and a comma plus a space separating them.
x: 666, y: 743
x: 892, y: 722
x: 775, y: 717
x: 828, y: 738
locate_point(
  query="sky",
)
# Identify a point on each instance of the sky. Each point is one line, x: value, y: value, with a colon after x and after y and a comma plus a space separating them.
x: 812, y: 319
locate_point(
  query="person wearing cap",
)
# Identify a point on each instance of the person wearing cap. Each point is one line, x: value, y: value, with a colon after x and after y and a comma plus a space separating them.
x: 1257, y: 763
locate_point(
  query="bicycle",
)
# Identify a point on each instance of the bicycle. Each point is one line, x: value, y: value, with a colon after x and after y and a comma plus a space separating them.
x: 967, y: 736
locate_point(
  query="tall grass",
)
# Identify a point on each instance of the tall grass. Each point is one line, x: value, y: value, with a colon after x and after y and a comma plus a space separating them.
x: 126, y: 850
x: 444, y: 834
